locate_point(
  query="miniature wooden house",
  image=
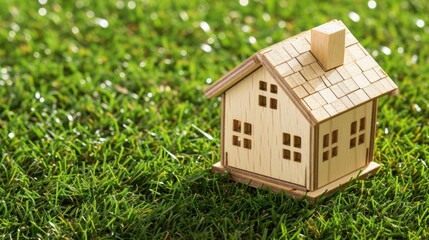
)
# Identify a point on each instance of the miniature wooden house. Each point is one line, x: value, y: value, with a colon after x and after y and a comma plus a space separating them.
x: 300, y: 115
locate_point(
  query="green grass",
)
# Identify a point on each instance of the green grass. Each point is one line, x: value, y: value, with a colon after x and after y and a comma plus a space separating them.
x: 103, y: 131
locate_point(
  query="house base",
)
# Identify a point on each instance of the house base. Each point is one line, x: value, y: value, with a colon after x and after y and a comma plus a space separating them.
x: 256, y: 180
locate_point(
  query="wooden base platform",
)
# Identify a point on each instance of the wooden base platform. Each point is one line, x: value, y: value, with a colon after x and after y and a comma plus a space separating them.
x: 256, y: 180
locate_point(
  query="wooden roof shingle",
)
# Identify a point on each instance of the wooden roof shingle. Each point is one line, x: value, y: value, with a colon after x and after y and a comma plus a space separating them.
x: 319, y: 94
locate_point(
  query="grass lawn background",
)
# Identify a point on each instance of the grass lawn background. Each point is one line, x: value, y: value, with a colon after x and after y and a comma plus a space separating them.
x: 105, y: 131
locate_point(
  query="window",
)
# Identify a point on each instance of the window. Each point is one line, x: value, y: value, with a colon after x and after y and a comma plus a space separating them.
x: 247, y: 128
x: 297, y: 156
x: 273, y: 103
x: 326, y: 140
x: 262, y: 85
x: 362, y: 124
x: 273, y: 88
x: 262, y: 101
x: 352, y: 142
x: 297, y: 141
x: 288, y: 149
x: 326, y: 155
x: 334, y: 136
x: 236, y: 141
x: 286, y: 139
x: 334, y: 151
x: 330, y: 147
x: 263, y: 96
x: 236, y: 125
x: 286, y: 154
x: 361, y: 139
x: 247, y: 143
x: 353, y: 128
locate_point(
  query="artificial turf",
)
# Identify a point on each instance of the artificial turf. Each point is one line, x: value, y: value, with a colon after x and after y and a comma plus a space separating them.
x: 105, y: 131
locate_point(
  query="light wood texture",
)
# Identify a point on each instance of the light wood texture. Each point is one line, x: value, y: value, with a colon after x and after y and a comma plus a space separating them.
x: 337, y: 91
x: 373, y: 129
x: 307, y: 86
x: 312, y: 170
x: 222, y: 131
x: 317, y: 84
x: 328, y: 44
x: 340, y: 89
x: 317, y: 69
x: 306, y: 58
x: 284, y: 69
x: 371, y: 75
x: 300, y: 43
x: 346, y: 101
x: 294, y: 67
x: 347, y: 159
x: 328, y: 95
x: 356, y: 52
x: 268, y: 125
x: 286, y: 88
x: 289, y: 49
x: 320, y: 113
x: 300, y: 92
x: 297, y: 78
x: 342, y: 71
x: 258, y: 181
x: 232, y: 77
x: 366, y: 63
x: 308, y: 72
x: 342, y: 182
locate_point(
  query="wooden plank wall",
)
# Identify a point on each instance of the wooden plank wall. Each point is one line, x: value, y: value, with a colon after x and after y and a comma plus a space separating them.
x: 348, y: 159
x: 268, y: 125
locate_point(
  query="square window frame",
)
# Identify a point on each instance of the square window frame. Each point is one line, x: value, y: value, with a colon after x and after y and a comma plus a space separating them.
x: 352, y: 143
x: 247, y: 143
x: 325, y: 140
x: 273, y: 103
x: 325, y: 156
x: 236, y: 141
x: 286, y: 154
x: 263, y: 86
x: 262, y: 101
x: 334, y: 136
x: 362, y: 122
x: 297, y: 157
x: 286, y: 139
x: 334, y: 152
x: 297, y: 141
x: 236, y: 125
x: 361, y: 139
x: 247, y: 128
x: 273, y: 88
x: 353, y: 128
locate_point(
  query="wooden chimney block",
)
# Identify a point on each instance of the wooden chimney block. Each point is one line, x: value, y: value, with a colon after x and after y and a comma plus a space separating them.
x: 328, y: 45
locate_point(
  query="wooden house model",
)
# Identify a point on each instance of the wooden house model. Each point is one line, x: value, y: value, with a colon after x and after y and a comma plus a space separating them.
x: 300, y: 115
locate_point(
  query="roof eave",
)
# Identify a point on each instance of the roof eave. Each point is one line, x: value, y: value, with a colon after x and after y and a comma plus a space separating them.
x: 232, y: 77
x: 392, y: 92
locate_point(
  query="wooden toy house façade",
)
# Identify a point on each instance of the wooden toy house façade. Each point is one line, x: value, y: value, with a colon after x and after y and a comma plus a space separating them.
x: 300, y: 115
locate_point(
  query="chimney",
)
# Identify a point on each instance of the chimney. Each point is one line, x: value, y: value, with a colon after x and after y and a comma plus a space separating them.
x: 328, y: 44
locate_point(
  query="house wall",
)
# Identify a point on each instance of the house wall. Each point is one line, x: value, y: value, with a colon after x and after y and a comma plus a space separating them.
x: 353, y: 147
x: 269, y: 149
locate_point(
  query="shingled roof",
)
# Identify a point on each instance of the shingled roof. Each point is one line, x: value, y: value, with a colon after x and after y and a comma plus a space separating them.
x: 319, y: 94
